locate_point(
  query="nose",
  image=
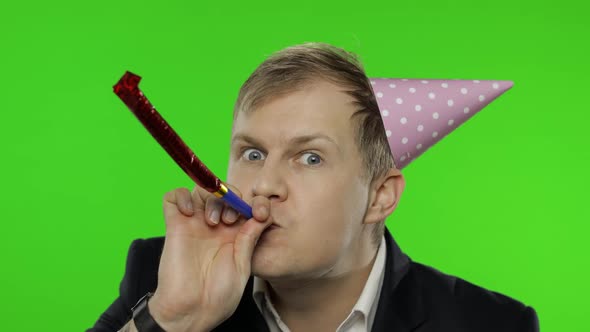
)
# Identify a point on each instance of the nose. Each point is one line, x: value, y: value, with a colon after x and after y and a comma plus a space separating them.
x: 270, y: 182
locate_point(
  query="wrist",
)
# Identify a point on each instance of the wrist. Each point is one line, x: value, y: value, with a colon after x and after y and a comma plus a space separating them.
x: 172, y: 322
x: 142, y: 318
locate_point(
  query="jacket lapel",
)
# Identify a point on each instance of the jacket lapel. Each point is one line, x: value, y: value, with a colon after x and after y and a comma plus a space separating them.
x: 400, y: 307
x: 247, y: 317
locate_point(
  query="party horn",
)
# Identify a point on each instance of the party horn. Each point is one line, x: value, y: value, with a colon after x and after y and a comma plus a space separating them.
x: 127, y: 89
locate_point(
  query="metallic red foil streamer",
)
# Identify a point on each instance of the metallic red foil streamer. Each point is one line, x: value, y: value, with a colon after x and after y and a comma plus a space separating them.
x: 127, y: 89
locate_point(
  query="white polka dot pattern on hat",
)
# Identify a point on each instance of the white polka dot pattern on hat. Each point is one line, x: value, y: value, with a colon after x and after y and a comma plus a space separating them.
x: 417, y: 113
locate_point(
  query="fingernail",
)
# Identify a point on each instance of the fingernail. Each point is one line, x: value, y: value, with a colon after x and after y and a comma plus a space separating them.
x: 264, y: 210
x: 230, y: 214
x: 214, y: 216
x: 189, y: 206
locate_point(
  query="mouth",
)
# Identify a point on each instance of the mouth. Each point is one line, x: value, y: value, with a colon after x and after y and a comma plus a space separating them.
x: 274, y: 222
x: 270, y: 228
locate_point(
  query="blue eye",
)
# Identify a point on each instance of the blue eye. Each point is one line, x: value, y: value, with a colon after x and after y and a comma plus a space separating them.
x: 255, y: 154
x: 311, y: 159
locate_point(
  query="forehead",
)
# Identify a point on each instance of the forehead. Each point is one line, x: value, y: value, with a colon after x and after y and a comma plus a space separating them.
x: 321, y: 107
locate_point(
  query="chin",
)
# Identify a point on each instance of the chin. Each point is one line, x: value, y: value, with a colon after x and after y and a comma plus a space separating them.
x: 267, y: 262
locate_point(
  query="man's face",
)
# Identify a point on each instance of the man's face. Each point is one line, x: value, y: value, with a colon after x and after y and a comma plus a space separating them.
x: 299, y: 151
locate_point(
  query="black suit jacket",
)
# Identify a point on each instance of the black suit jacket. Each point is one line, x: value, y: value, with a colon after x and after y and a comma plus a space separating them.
x: 414, y: 297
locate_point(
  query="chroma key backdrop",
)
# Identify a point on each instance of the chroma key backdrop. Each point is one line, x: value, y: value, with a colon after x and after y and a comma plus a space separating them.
x: 501, y: 201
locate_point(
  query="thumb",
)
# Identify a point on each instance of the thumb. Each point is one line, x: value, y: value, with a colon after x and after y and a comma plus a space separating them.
x: 245, y: 242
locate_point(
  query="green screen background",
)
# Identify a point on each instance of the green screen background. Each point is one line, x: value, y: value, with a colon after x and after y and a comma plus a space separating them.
x: 501, y: 202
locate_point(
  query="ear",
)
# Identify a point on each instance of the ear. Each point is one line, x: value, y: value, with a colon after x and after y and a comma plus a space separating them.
x: 384, y: 196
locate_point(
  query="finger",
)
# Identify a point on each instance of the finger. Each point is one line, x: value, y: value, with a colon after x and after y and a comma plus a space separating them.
x: 177, y: 200
x: 245, y: 242
x: 229, y: 215
x: 234, y: 189
x: 184, y: 201
x: 260, y: 208
x: 213, y: 207
x: 200, y: 196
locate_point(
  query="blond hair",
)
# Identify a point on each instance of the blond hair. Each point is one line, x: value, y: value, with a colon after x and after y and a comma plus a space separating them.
x: 295, y: 67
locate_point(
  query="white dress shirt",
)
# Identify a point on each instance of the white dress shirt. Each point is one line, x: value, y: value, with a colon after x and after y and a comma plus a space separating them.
x: 362, y: 314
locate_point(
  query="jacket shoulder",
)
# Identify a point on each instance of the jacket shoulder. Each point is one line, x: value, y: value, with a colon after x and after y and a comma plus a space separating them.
x: 141, y: 275
x: 468, y: 306
x: 150, y: 248
x: 143, y: 262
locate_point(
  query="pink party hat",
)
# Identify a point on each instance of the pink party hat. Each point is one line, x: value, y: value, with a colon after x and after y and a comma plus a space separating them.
x: 417, y: 113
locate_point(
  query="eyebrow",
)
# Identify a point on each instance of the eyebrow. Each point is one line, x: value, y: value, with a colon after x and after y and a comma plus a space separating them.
x: 298, y: 140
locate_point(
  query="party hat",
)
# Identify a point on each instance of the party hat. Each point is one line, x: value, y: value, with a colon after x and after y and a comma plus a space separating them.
x: 417, y: 113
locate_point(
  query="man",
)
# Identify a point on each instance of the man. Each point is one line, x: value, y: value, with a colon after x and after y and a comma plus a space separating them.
x: 310, y: 153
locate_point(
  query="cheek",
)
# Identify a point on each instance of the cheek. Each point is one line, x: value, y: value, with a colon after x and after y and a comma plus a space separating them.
x: 240, y: 178
x: 324, y: 224
x: 337, y: 214
x: 333, y: 206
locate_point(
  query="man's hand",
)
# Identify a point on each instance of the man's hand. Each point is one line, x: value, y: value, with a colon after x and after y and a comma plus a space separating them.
x: 206, y: 260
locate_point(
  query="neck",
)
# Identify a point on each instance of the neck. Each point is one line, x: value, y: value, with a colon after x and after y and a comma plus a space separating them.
x: 322, y: 302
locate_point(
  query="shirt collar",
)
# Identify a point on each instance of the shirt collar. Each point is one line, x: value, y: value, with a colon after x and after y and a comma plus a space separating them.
x: 367, y: 302
x: 369, y: 298
x: 259, y: 291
